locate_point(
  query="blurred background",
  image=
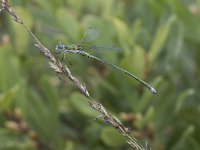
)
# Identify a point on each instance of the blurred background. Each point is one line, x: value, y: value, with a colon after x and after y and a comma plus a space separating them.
x: 160, y: 43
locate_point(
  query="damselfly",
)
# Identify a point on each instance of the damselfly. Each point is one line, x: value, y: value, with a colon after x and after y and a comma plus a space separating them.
x: 86, y: 43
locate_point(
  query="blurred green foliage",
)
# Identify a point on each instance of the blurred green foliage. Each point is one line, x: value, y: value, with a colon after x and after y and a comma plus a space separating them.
x: 160, y: 42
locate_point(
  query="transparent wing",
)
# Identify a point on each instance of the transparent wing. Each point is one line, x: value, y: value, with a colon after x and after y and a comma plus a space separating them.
x: 90, y: 36
x: 99, y: 49
x: 110, y: 48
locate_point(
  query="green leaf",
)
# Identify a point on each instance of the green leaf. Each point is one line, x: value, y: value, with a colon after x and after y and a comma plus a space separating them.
x: 107, y: 86
x: 45, y: 5
x: 80, y: 103
x: 139, y: 33
x: 112, y: 138
x: 93, y: 6
x: 123, y: 33
x: 182, y: 98
x: 157, y: 6
x: 9, y: 68
x: 189, y: 20
x: 21, y: 36
x: 68, y: 23
x: 160, y: 39
x: 10, y: 141
x: 107, y: 8
x: 92, y: 132
x: 70, y: 145
x: 41, y: 117
x: 184, y: 137
x: 149, y: 116
x: 77, y: 5
x: 50, y: 95
x: 7, y: 98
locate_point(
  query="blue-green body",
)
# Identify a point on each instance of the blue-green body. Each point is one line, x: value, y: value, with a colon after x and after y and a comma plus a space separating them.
x: 86, y: 44
x: 61, y: 47
x: 72, y: 47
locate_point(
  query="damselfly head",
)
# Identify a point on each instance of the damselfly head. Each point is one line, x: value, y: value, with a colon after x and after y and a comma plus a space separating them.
x: 60, y: 47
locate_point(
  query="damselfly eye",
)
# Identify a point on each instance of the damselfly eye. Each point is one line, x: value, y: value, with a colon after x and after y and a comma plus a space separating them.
x: 60, y: 47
